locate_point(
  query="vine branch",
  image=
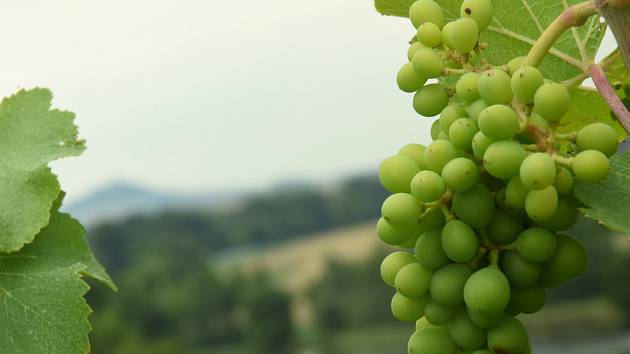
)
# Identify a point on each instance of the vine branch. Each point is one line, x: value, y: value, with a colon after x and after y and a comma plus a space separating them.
x: 617, y: 15
x: 605, y: 89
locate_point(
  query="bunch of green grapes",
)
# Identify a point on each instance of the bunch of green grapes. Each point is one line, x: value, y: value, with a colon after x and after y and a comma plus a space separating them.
x: 483, y: 206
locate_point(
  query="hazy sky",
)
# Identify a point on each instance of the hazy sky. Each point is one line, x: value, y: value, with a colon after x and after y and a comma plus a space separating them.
x: 209, y: 95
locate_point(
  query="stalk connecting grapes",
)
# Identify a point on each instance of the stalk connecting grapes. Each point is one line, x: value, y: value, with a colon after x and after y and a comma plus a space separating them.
x: 485, y: 204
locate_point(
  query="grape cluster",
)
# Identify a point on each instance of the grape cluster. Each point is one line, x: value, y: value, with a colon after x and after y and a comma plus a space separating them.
x: 483, y: 206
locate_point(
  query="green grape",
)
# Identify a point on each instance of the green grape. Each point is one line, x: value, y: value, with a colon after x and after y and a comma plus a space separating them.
x: 430, y: 100
x: 464, y: 35
x: 466, y: 87
x: 438, y: 154
x: 509, y: 336
x: 432, y: 219
x: 429, y: 251
x: 438, y: 314
x: 504, y: 228
x: 537, y: 120
x: 475, y: 206
x: 525, y: 83
x: 401, y: 210
x: 518, y: 271
x: 391, y: 235
x: 450, y: 114
x: 462, y: 132
x: 484, y: 321
x: 393, y: 263
x: 423, y: 11
x: 538, y: 171
x: 443, y: 136
x: 431, y: 340
x: 427, y: 186
x: 427, y: 62
x: 552, y: 101
x: 436, y: 131
x: 598, y: 136
x: 515, y: 64
x: 590, y: 166
x: 413, y: 48
x: 503, y: 159
x: 495, y: 87
x: 411, y: 243
x: 564, y: 181
x: 478, y: 10
x: 516, y: 193
x: 536, y: 245
x: 414, y: 152
x: 568, y: 262
x: 499, y: 122
x: 409, y: 80
x: 528, y: 300
x: 564, y: 218
x: 423, y: 322
x: 396, y: 173
x: 487, y: 291
x: 413, y: 280
x: 460, y: 174
x: 465, y: 332
x: 541, y: 205
x: 447, y: 284
x: 475, y: 109
x: 429, y: 34
x: 480, y: 144
x: 407, y: 309
x: 459, y: 241
x: 447, y: 30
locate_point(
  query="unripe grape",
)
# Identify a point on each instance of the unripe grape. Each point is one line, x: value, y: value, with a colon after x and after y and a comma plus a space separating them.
x: 450, y: 114
x: 487, y: 291
x: 516, y: 193
x: 423, y: 322
x: 464, y: 35
x: 438, y: 154
x: 430, y: 100
x: 393, y: 263
x: 438, y: 314
x: 541, y: 205
x: 475, y: 109
x: 427, y: 186
x: 466, y: 87
x: 423, y: 11
x: 503, y: 159
x: 465, y: 333
x: 538, y: 171
x: 552, y: 101
x: 509, y: 336
x: 484, y: 321
x: 495, y: 87
x: 462, y: 132
x: 568, y: 262
x: 409, y: 80
x: 431, y: 340
x: 564, y: 181
x: 432, y: 219
x: 447, y: 31
x: 429, y: 250
x: 519, y: 271
x: 480, y: 144
x: 525, y: 83
x: 391, y: 235
x: 435, y: 130
x: 429, y: 34
x: 401, y: 210
x: 564, y: 218
x: 408, y: 309
x: 499, y: 122
x: 536, y: 245
x: 598, y: 136
x: 460, y: 174
x: 414, y: 152
x: 447, y: 284
x: 504, y: 228
x: 475, y: 206
x: 479, y: 10
x: 396, y: 172
x: 413, y: 280
x: 426, y: 62
x: 413, y: 48
x: 528, y: 300
x: 515, y: 64
x: 409, y: 244
x: 459, y: 241
x: 590, y: 166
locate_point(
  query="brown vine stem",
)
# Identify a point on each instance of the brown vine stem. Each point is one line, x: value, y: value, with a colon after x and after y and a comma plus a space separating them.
x: 605, y: 89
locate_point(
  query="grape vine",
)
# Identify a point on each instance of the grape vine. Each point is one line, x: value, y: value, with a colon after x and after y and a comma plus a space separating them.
x: 486, y: 205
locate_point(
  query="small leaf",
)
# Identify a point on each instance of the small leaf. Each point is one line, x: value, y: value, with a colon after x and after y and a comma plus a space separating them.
x: 615, y: 69
x: 608, y: 202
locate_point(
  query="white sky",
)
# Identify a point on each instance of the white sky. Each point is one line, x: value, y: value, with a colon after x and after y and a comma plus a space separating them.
x: 208, y: 95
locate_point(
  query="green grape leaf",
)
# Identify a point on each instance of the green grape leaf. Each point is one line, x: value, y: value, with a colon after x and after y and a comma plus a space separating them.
x: 31, y: 135
x: 608, y: 202
x: 517, y: 25
x: 587, y: 106
x: 615, y: 68
x: 42, y: 291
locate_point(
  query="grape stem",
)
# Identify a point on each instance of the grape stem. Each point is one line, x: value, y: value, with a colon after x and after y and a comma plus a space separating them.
x: 563, y: 161
x: 568, y: 136
x: 607, y: 91
x: 494, y: 256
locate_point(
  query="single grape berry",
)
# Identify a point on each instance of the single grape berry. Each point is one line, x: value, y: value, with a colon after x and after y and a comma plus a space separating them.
x: 462, y: 132
x: 499, y: 122
x: 414, y: 152
x: 396, y: 173
x: 484, y: 321
x: 515, y: 64
x: 564, y: 181
x: 430, y: 100
x: 527, y: 300
x: 447, y: 284
x: 431, y: 340
x: 436, y: 131
x: 479, y: 10
x: 465, y: 332
x: 525, y: 83
x: 427, y: 186
x: 541, y: 205
x: 429, y: 34
x: 460, y: 174
x: 495, y: 87
x: 447, y: 30
x: 391, y: 235
x: 450, y: 114
x: 475, y: 109
x: 401, y: 210
x: 519, y: 271
x: 393, y: 263
x: 408, y: 309
x: 552, y: 101
x: 438, y: 314
x: 459, y: 241
x: 536, y: 245
x: 538, y: 171
x: 409, y: 80
x: 427, y: 62
x: 429, y: 250
x: 503, y: 159
x: 598, y: 136
x: 423, y: 11
x: 464, y: 35
x: 413, y: 280
x: 438, y: 154
x: 504, y: 228
x: 413, y: 48
x: 509, y: 336
x: 590, y: 166
x: 466, y: 87
x: 487, y: 291
x: 564, y: 218
x: 480, y: 144
x: 475, y: 206
x: 568, y: 262
x: 516, y: 193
